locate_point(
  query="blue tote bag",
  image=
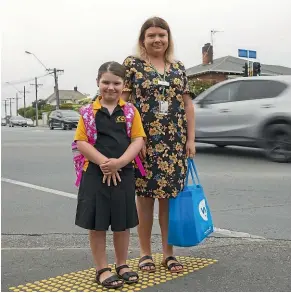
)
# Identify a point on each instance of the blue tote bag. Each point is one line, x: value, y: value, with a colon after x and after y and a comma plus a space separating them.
x: 190, y: 220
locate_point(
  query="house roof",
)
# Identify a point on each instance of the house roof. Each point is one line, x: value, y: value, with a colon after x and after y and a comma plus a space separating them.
x: 66, y: 95
x: 233, y: 65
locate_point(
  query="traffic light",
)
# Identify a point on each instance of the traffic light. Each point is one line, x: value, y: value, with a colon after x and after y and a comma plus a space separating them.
x: 256, y: 68
x: 245, y: 70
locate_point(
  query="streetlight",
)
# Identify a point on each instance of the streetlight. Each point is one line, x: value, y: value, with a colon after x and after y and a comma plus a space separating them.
x: 55, y: 71
x: 29, y: 53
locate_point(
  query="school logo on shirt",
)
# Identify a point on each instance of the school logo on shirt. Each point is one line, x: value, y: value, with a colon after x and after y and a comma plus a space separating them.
x: 120, y: 119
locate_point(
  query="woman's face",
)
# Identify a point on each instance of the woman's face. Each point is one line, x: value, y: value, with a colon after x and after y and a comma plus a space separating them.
x: 110, y: 86
x: 156, y: 41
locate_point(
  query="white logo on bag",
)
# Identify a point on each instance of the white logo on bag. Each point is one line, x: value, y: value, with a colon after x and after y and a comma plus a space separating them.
x: 203, y: 210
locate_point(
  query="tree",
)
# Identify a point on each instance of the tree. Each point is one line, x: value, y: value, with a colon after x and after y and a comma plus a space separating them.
x: 40, y: 104
x: 85, y: 101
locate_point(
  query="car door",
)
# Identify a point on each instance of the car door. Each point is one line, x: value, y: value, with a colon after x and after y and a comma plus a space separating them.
x: 256, y: 99
x: 52, y: 118
x: 213, y: 113
x: 57, y: 118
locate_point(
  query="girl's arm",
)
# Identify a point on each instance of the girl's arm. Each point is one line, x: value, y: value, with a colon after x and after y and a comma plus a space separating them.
x: 89, y: 152
x: 113, y: 165
x: 131, y: 152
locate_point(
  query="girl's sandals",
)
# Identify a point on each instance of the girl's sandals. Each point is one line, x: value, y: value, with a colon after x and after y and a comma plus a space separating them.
x: 127, y: 276
x: 108, y: 283
x: 151, y: 267
x: 172, y: 265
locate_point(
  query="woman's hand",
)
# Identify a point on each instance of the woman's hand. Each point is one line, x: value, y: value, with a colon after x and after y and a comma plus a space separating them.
x: 190, y: 149
x: 143, y: 153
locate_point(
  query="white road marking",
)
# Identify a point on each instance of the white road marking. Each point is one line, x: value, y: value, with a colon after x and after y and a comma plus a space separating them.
x: 224, y: 232
x: 41, y: 188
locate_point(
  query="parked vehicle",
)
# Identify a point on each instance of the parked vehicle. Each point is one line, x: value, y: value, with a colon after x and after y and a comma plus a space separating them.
x: 249, y: 112
x: 3, y: 122
x: 64, y: 119
x: 29, y: 122
x: 17, y: 121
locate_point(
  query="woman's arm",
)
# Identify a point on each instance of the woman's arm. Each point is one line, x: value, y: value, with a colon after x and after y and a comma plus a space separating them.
x: 190, y: 115
x: 125, y: 96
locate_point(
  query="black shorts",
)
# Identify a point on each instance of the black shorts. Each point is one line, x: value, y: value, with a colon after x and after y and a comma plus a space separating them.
x: 100, y: 206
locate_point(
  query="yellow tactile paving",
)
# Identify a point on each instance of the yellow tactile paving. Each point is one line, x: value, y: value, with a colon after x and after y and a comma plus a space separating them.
x: 84, y: 281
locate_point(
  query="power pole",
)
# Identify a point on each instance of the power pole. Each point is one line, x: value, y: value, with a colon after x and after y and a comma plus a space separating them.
x: 36, y: 102
x: 24, y: 100
x: 10, y: 103
x: 5, y: 107
x: 55, y: 71
x: 24, y: 108
x: 16, y: 98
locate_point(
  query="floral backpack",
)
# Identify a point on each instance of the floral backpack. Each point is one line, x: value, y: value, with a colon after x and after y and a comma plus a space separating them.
x: 89, y: 121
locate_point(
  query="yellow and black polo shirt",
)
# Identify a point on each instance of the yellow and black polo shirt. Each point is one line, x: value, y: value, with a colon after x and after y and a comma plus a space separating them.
x: 112, y: 140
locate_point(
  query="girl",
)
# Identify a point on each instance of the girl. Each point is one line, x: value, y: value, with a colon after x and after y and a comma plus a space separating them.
x: 100, y: 203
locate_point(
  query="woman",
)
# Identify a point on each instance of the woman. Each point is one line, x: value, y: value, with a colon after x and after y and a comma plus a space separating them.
x: 157, y: 85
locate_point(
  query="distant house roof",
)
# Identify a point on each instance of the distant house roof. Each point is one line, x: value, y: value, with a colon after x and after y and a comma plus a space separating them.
x: 233, y: 65
x: 74, y: 95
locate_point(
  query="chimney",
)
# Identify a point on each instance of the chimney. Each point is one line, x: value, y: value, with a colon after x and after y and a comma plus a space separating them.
x: 207, y: 54
x: 75, y: 88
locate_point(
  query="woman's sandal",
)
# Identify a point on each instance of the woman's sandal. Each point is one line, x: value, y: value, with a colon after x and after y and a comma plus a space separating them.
x: 147, y: 264
x: 172, y: 265
x: 108, y: 283
x: 127, y: 275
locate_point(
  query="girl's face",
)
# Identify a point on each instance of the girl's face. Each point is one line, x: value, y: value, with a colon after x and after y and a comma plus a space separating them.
x: 110, y: 86
x: 156, y: 41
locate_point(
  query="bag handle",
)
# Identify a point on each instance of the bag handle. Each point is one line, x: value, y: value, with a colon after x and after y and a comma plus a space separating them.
x: 192, y: 168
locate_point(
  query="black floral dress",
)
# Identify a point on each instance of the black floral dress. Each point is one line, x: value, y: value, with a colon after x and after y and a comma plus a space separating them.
x: 166, y: 163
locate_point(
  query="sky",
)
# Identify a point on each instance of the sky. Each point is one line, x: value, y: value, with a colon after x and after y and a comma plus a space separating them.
x: 78, y: 36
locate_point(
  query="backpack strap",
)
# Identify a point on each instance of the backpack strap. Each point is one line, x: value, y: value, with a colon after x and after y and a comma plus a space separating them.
x: 128, y: 110
x: 89, y: 121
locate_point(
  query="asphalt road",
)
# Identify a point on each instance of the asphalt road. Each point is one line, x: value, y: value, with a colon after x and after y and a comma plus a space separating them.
x: 250, y: 199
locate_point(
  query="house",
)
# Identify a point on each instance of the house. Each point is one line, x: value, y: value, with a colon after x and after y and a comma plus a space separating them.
x: 66, y: 96
x: 227, y: 67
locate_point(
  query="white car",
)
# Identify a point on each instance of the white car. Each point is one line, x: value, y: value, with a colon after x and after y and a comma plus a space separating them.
x: 29, y: 122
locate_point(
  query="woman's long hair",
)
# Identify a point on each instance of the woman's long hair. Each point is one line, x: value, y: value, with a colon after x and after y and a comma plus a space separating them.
x: 155, y: 22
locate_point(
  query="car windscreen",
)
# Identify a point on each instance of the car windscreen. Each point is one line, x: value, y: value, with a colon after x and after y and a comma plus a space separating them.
x: 71, y: 114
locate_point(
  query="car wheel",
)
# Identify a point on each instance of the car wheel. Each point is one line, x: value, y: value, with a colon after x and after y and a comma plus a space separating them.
x: 51, y: 126
x: 277, y: 142
x: 63, y: 125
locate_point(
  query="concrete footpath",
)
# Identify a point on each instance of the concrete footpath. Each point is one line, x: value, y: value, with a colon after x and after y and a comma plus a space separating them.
x: 219, y: 264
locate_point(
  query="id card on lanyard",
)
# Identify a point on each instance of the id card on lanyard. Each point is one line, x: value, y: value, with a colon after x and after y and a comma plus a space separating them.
x: 163, y: 105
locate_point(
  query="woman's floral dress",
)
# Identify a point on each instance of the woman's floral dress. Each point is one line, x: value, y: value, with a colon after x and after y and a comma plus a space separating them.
x: 166, y: 134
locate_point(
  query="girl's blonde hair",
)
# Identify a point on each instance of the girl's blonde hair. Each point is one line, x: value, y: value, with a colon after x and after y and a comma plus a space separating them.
x: 155, y: 22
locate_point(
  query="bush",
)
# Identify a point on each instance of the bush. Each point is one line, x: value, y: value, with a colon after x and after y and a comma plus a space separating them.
x: 197, y: 86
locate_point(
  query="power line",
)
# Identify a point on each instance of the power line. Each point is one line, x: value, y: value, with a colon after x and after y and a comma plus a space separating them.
x: 25, y: 81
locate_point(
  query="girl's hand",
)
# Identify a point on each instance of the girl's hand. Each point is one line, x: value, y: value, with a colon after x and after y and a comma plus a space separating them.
x: 110, y: 166
x: 190, y: 149
x: 114, y: 177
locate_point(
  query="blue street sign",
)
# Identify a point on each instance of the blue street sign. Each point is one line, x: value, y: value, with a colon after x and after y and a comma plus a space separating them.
x: 247, y: 53
x: 252, y: 54
x: 242, y: 53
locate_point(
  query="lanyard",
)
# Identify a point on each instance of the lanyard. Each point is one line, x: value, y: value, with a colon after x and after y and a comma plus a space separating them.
x: 161, y: 78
